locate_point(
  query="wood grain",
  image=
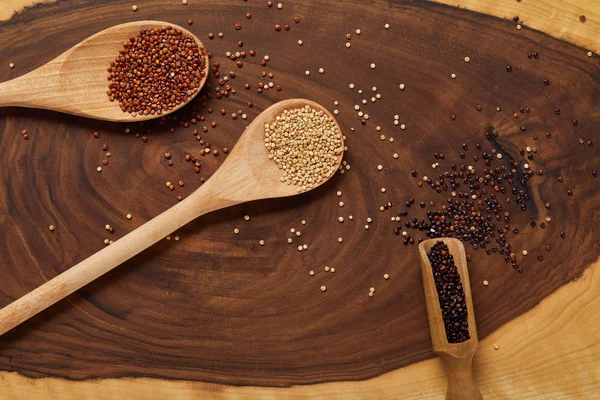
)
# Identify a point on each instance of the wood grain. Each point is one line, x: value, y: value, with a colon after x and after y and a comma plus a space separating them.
x: 254, y: 315
x: 550, y: 352
x: 556, y: 18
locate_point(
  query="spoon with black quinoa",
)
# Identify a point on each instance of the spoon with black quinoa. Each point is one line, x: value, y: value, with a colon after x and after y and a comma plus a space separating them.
x: 450, y: 311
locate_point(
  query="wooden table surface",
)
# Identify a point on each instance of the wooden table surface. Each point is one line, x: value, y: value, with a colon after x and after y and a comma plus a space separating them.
x: 214, y: 314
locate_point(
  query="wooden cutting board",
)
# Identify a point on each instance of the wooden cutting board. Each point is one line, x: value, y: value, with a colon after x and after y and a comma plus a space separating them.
x: 217, y: 307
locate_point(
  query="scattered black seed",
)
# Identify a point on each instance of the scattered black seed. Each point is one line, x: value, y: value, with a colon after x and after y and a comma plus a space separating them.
x: 508, y: 68
x: 450, y: 293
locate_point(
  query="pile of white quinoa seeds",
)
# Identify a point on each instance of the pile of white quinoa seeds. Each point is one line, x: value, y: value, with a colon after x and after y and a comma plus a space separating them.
x: 305, y: 143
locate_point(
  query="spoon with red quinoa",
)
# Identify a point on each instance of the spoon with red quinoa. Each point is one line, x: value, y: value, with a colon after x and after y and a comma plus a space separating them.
x: 292, y: 147
x: 129, y: 72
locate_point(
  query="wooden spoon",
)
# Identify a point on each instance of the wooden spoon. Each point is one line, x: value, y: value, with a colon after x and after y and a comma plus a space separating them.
x: 457, y: 357
x: 245, y: 175
x: 75, y: 82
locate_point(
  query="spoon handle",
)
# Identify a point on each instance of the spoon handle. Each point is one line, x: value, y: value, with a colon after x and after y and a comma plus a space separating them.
x: 106, y: 259
x: 461, y: 385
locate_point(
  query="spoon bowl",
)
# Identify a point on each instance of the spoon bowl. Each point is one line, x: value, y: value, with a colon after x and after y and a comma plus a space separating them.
x: 76, y: 81
x: 246, y: 175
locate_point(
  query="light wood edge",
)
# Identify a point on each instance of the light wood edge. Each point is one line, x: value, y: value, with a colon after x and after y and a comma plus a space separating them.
x: 436, y: 323
x: 557, y: 18
x: 550, y: 352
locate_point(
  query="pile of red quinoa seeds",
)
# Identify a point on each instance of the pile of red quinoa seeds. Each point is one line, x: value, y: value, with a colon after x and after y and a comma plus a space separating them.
x: 450, y: 293
x: 156, y: 71
x: 474, y: 210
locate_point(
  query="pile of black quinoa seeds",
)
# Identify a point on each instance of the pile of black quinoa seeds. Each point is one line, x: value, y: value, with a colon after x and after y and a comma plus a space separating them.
x: 450, y: 293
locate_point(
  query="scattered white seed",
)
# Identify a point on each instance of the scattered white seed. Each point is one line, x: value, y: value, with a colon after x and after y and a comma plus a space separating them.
x: 453, y: 76
x: 485, y: 283
x: 261, y: 242
x: 176, y: 238
x: 340, y: 240
x: 299, y: 42
x: 12, y: 65
x: 323, y: 288
x: 395, y: 155
x: 326, y: 268
x: 371, y: 294
x: 303, y: 222
x: 350, y: 217
x: 403, y: 127
x: 341, y: 219
x: 107, y: 227
x: 372, y: 65
x: 589, y: 54
x: 134, y: 7
x: 305, y: 246
x: 236, y: 231
x: 496, y: 347
x: 369, y: 220
x: 386, y: 276
x: 387, y: 26
x: 246, y: 217
x: 467, y: 59
x: 298, y: 233
x: 312, y: 273
x: 300, y: 248
x: 336, y: 112
x: 267, y: 58
x: 519, y: 27
x: 184, y: 2
x: 106, y: 241
x: 372, y: 290
x: 110, y: 242
x: 280, y: 6
x: 339, y: 193
x: 402, y: 86
x: 51, y: 227
x: 367, y: 227
x: 499, y: 155
x: 358, y: 31
x: 348, y: 44
x: 290, y: 240
x: 341, y: 204
x: 321, y: 70
x: 332, y: 270
x: 380, y: 167
x: 382, y: 190
x: 307, y: 72
x: 99, y: 169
